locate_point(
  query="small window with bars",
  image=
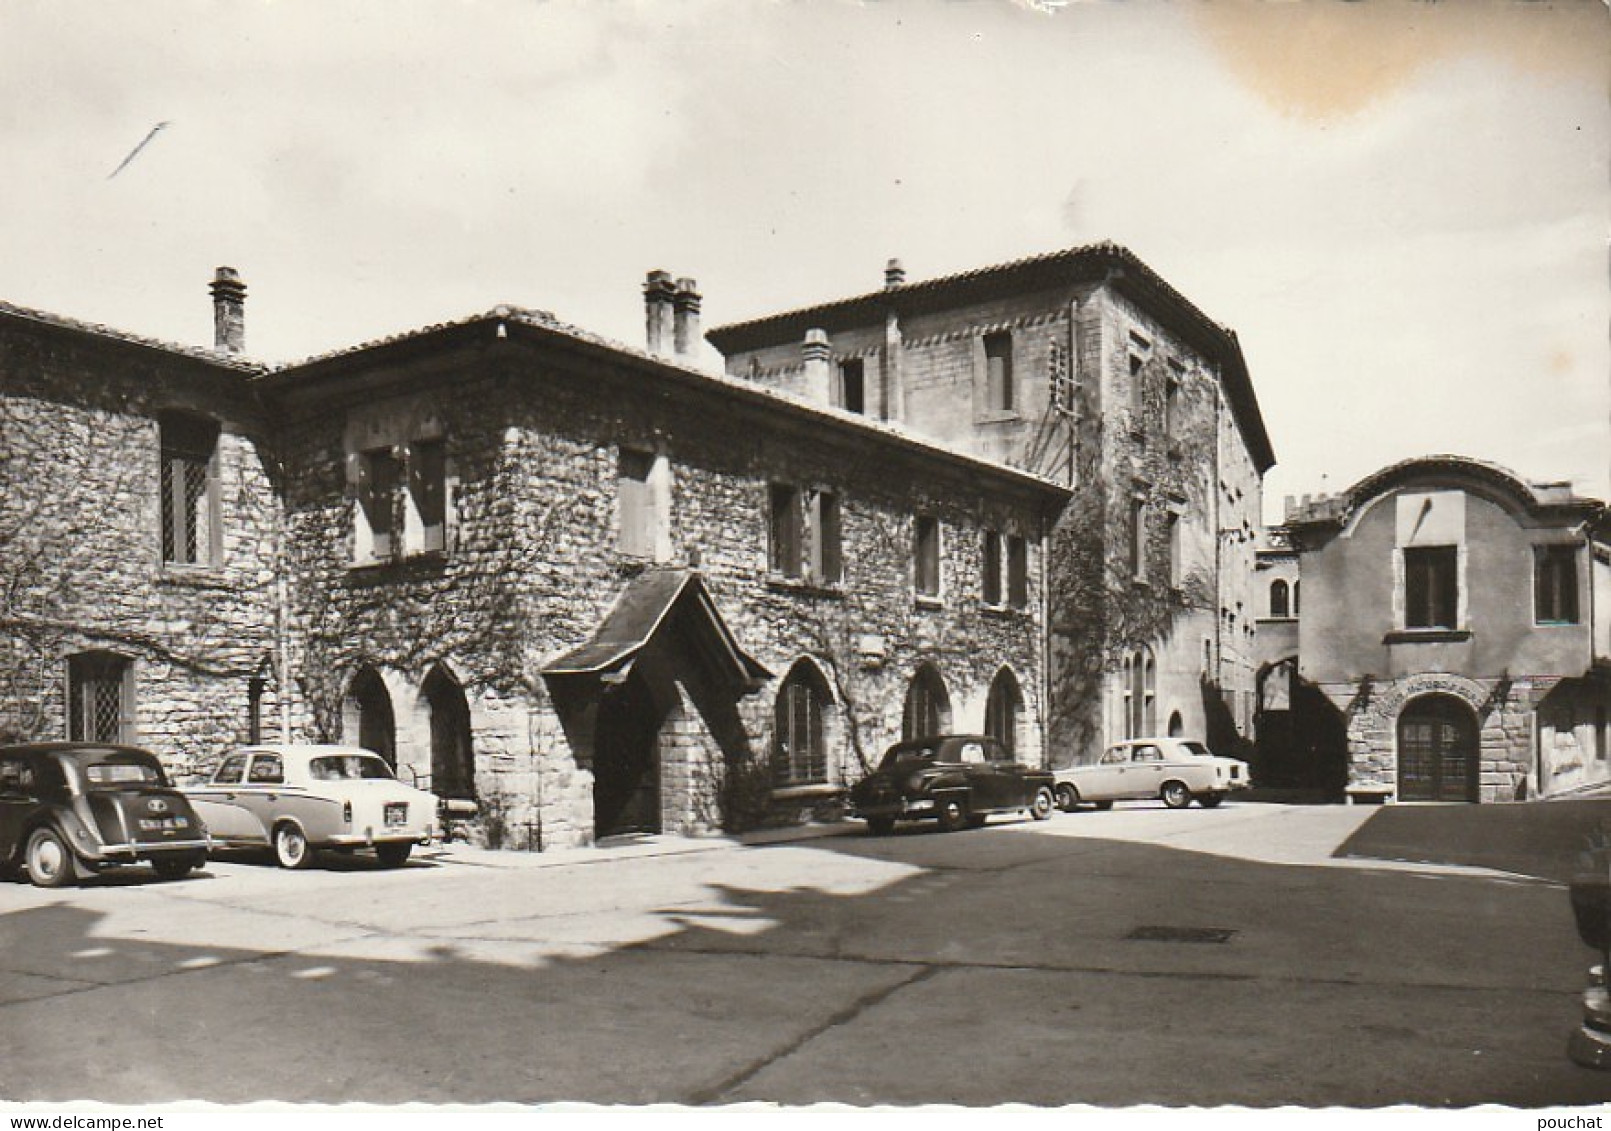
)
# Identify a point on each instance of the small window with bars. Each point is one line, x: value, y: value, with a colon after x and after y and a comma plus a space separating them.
x: 100, y: 698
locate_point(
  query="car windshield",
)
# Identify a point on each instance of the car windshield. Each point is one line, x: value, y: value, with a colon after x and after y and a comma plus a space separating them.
x: 348, y: 767
x: 122, y: 773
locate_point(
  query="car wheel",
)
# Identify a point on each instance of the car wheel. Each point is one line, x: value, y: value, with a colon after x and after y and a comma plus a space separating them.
x: 1175, y: 795
x: 393, y: 855
x: 1211, y: 800
x: 880, y: 826
x: 977, y: 820
x: 291, y: 848
x: 173, y: 867
x: 1041, y: 807
x: 50, y: 861
x: 953, y: 815
x: 1068, y: 798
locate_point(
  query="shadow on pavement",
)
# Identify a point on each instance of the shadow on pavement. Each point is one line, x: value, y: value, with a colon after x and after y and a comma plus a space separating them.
x: 1321, y: 986
x: 1546, y: 839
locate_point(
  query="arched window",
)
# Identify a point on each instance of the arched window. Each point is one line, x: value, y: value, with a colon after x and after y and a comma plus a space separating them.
x: 1278, y: 599
x: 1002, y: 708
x: 1149, y: 698
x: 799, y: 743
x: 928, y: 707
x: 452, y: 754
x: 377, y: 726
x: 1177, y: 725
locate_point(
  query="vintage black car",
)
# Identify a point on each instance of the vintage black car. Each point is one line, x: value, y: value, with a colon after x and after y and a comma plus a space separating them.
x: 956, y: 780
x: 69, y: 809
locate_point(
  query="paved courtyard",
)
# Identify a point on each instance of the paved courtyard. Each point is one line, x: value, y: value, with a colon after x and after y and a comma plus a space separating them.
x: 1139, y: 956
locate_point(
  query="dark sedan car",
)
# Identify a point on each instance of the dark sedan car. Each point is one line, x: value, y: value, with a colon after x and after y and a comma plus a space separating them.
x: 68, y: 809
x: 955, y: 780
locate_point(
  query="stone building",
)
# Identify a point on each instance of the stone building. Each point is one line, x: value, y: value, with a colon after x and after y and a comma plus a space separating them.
x: 1086, y: 367
x: 592, y: 587
x: 138, y: 538
x: 1456, y: 630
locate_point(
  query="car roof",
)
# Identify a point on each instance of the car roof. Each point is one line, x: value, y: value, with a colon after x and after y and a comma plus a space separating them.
x: 43, y: 748
x: 304, y: 752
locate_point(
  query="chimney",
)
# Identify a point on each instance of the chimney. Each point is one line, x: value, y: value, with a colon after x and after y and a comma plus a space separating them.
x: 686, y: 329
x: 229, y: 311
x: 658, y: 290
x: 816, y: 382
x: 894, y: 274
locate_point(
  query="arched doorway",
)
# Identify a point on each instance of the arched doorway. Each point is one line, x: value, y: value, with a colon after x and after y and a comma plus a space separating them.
x: 377, y: 726
x: 1177, y: 725
x: 928, y: 707
x: 1002, y: 708
x: 452, y: 755
x: 1437, y: 750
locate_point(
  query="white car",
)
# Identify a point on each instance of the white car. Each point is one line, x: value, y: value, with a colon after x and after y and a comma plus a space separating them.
x: 1175, y: 770
x: 295, y: 799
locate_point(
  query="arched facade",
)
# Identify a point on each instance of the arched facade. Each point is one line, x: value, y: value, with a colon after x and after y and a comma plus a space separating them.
x: 452, y: 749
x: 369, y: 716
x: 1004, y: 710
x: 802, y: 726
x: 928, y: 704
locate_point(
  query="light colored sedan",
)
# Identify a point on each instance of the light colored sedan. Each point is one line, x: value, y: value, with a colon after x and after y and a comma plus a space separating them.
x: 295, y: 799
x: 1175, y: 770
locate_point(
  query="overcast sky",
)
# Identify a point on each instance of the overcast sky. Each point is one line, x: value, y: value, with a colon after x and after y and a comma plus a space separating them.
x: 1401, y: 209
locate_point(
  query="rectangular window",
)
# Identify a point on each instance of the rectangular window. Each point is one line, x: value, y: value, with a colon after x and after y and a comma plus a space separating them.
x: 427, y: 491
x: 380, y: 473
x: 1171, y: 405
x: 1555, y: 585
x: 1431, y: 587
x: 1138, y: 538
x: 998, y: 372
x: 787, y: 529
x: 189, y: 490
x: 991, y: 568
x: 255, y: 689
x: 853, y: 385
x: 1174, y: 550
x: 1017, y: 572
x: 826, y: 564
x: 634, y: 503
x: 926, y: 555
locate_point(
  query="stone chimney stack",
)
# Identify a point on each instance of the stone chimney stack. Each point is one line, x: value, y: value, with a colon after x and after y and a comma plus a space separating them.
x: 894, y: 274
x: 685, y: 303
x: 658, y: 291
x: 229, y: 311
x: 816, y: 383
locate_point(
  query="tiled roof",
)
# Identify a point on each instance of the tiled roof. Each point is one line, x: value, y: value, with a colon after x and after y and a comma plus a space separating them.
x: 1089, y: 262
x: 545, y: 324
x: 216, y: 357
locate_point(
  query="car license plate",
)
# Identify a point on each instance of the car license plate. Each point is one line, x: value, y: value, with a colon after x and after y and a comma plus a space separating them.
x: 162, y: 824
x: 396, y: 814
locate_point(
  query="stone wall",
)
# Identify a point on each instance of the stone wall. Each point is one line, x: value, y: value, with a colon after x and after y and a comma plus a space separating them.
x: 81, y: 564
x: 536, y: 566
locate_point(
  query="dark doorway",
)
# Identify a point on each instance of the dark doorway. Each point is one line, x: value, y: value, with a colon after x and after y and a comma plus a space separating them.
x: 377, y: 726
x: 1437, y: 750
x: 452, y: 755
x: 626, y: 761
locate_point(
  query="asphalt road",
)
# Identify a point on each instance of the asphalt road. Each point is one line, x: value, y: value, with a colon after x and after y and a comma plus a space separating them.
x: 1140, y: 956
